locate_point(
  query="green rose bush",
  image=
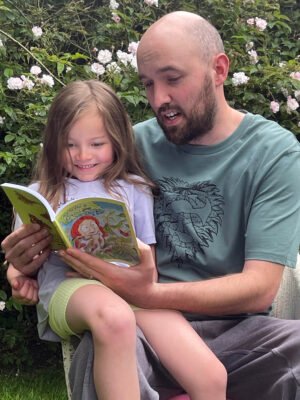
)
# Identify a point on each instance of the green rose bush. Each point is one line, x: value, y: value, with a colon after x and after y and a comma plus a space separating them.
x: 45, y: 45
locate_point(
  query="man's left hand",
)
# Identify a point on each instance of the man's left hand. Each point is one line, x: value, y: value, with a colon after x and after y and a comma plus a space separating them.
x: 136, y: 284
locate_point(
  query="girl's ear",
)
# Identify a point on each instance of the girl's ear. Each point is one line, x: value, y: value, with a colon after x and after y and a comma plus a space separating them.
x: 221, y: 68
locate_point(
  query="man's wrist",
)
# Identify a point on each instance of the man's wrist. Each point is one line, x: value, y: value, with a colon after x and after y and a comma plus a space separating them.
x: 156, y: 298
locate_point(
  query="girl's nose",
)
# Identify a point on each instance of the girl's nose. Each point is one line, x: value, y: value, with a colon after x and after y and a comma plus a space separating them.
x: 83, y: 153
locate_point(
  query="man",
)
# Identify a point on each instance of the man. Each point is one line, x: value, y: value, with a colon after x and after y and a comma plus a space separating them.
x: 227, y: 220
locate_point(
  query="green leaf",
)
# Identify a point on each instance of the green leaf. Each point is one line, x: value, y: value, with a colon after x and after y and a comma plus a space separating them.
x: 9, y: 138
x: 60, y: 67
x: 3, y: 8
x: 3, y: 295
x: 8, y: 72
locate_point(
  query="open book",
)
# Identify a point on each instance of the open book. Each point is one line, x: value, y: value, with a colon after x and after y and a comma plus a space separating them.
x: 98, y: 226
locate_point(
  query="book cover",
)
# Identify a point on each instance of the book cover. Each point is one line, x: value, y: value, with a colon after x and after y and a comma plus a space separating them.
x: 99, y: 226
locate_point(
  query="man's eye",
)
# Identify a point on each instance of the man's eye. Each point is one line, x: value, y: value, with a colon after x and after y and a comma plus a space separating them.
x: 174, y: 79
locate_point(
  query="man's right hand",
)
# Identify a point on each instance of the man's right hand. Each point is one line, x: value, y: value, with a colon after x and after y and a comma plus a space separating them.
x: 27, y: 248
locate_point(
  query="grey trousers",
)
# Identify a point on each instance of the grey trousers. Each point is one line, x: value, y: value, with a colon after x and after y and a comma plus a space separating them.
x: 261, y: 355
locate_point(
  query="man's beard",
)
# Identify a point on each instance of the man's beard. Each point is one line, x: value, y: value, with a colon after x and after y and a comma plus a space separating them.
x: 199, y: 122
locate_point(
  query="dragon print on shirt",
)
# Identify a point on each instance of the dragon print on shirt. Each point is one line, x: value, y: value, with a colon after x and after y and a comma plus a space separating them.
x: 188, y: 217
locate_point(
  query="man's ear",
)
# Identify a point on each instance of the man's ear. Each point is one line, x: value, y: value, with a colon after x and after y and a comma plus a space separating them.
x: 221, y: 68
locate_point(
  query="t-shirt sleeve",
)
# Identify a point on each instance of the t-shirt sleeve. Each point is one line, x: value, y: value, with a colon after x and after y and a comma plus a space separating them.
x: 273, y: 228
x: 17, y: 222
x: 143, y: 215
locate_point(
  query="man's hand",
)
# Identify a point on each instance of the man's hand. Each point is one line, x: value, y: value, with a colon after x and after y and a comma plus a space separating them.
x: 135, y: 284
x: 27, y: 248
x: 24, y: 290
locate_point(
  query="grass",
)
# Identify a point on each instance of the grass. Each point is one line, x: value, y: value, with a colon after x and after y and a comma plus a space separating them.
x: 41, y: 384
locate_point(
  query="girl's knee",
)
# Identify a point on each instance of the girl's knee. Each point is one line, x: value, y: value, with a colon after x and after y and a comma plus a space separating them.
x: 99, y: 310
x: 113, y: 323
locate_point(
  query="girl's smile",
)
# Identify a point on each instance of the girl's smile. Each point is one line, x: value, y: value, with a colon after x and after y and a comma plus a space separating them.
x: 89, y: 149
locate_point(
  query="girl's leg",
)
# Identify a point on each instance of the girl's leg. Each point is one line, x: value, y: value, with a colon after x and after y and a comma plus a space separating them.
x: 184, y: 354
x: 112, y: 324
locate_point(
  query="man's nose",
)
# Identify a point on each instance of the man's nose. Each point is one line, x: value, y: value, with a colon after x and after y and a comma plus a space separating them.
x: 161, y: 96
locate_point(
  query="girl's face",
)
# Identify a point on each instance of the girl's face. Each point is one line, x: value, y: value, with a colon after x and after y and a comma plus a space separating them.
x: 89, y: 150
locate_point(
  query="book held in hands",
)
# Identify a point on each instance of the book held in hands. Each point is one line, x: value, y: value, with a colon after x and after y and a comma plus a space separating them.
x: 99, y: 226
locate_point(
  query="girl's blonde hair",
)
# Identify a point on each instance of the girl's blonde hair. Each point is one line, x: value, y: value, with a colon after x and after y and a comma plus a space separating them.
x: 71, y: 102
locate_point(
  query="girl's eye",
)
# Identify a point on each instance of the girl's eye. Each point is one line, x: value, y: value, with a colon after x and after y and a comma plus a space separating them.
x: 97, y: 144
x: 147, y: 84
x: 70, y: 145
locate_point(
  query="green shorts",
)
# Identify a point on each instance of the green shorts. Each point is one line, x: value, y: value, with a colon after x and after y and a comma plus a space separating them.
x: 59, y: 301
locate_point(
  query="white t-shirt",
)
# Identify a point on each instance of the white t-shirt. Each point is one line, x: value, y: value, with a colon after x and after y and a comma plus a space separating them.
x: 139, y: 202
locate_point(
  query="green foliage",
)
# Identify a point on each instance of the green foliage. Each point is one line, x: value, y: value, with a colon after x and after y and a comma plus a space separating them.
x: 277, y: 48
x: 73, y: 33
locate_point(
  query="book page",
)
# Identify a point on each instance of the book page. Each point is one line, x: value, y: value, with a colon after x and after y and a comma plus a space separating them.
x: 101, y: 227
x: 33, y: 208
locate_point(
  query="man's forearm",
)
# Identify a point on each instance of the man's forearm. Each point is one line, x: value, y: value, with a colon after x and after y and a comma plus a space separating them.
x: 252, y: 290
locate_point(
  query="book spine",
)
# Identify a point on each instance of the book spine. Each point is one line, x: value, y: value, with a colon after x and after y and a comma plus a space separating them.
x: 62, y: 234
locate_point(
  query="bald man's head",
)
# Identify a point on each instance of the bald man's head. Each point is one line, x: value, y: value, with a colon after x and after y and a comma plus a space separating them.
x: 192, y: 28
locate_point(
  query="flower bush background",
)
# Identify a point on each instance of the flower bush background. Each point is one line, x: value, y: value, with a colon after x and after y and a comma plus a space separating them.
x: 44, y: 45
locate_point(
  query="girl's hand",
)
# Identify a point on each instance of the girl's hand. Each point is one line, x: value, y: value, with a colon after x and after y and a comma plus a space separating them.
x: 24, y: 290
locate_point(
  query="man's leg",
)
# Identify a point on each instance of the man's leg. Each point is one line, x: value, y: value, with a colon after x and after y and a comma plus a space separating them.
x: 81, y: 370
x: 155, y: 383
x: 261, y: 355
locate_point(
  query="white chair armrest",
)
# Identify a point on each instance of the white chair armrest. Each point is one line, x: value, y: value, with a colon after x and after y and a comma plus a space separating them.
x: 67, y: 353
x: 287, y: 301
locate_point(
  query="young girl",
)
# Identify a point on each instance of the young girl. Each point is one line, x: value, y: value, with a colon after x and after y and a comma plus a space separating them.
x: 88, y: 150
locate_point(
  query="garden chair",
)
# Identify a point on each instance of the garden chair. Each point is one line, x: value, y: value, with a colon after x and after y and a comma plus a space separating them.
x: 286, y: 305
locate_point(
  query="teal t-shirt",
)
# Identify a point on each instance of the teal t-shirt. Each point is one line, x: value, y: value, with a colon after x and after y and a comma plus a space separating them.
x: 220, y: 205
